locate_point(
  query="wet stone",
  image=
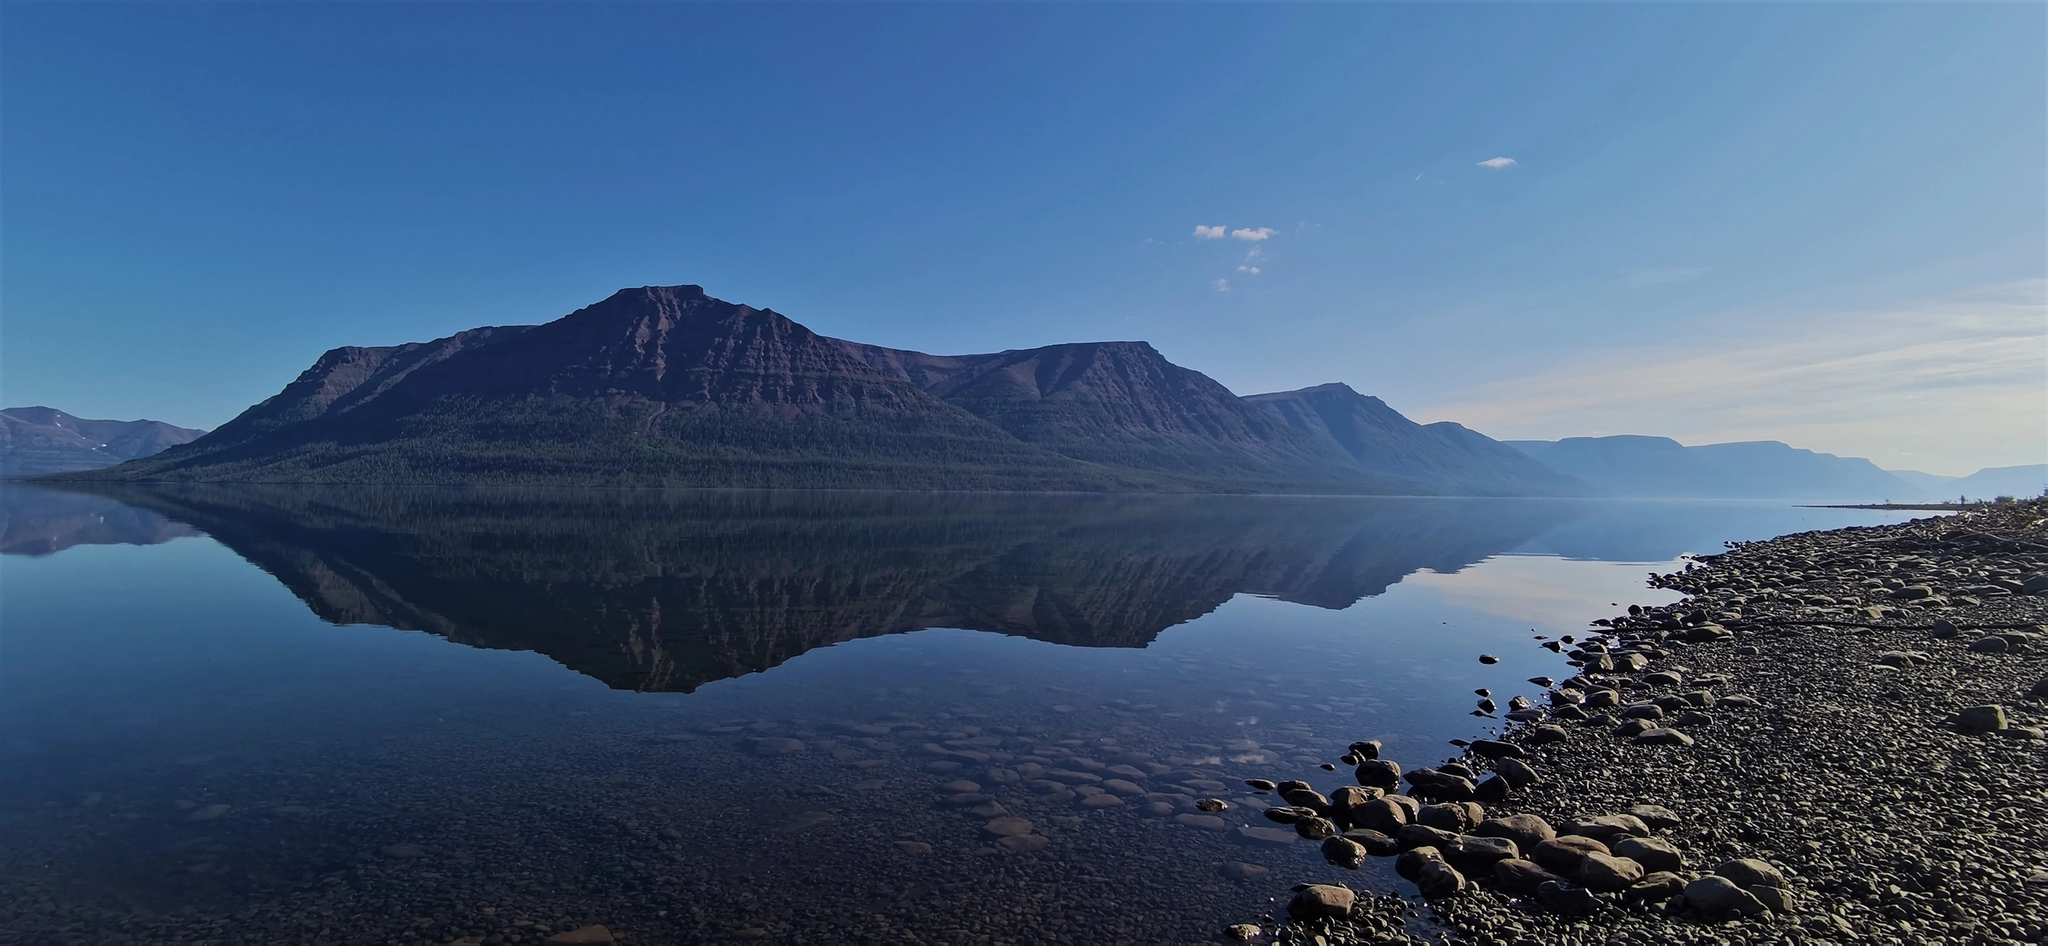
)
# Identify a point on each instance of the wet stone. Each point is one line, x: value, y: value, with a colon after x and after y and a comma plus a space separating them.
x: 1321, y: 902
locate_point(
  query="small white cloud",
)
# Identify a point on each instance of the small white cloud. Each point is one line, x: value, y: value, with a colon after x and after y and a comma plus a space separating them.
x: 1208, y: 233
x: 1253, y: 270
x: 1497, y: 163
x: 1255, y: 253
x: 1221, y: 285
x: 1418, y: 176
x: 1245, y: 233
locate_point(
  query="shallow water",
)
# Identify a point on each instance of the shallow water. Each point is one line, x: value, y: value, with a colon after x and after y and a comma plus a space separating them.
x: 430, y: 715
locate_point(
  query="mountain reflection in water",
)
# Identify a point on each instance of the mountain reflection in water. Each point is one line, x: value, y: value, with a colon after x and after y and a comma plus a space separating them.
x: 669, y: 590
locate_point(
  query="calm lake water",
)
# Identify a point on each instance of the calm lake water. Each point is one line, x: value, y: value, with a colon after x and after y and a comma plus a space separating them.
x: 429, y: 716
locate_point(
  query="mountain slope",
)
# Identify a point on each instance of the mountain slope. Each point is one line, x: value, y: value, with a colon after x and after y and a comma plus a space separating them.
x: 652, y: 386
x: 1123, y: 404
x: 1928, y: 484
x: 2019, y: 482
x: 667, y: 386
x: 1380, y: 440
x: 37, y: 440
x: 1662, y: 467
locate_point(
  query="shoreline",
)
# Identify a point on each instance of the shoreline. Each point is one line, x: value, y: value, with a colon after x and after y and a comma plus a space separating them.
x: 1813, y: 718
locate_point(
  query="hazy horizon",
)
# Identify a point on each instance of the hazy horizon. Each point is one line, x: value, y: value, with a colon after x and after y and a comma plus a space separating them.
x: 1824, y: 225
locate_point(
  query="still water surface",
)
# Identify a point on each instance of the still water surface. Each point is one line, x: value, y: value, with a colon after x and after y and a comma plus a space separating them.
x: 430, y: 716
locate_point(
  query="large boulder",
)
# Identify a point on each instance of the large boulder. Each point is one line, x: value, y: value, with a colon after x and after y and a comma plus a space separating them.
x: 1478, y: 854
x: 1381, y: 814
x: 1345, y: 800
x: 1321, y: 902
x: 1654, y: 854
x: 1605, y: 873
x: 1717, y: 898
x: 1563, y: 853
x: 1438, y: 880
x: 1980, y: 719
x: 1409, y: 864
x: 1526, y: 831
x: 1521, y: 877
x: 1344, y: 852
x: 1379, y: 773
x: 1374, y: 842
x: 1750, y: 872
x: 1454, y: 816
x: 1609, y: 829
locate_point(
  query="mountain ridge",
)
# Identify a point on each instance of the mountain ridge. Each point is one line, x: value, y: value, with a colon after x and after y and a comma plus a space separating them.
x: 1660, y: 467
x: 1381, y: 439
x: 668, y: 386
x: 40, y: 440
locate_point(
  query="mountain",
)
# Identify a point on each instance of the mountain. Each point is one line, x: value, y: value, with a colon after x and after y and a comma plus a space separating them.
x: 671, y: 589
x: 666, y: 386
x: 1929, y: 484
x: 1765, y: 469
x: 1380, y: 440
x: 1988, y: 483
x: 653, y: 386
x: 2018, y: 482
x: 36, y: 440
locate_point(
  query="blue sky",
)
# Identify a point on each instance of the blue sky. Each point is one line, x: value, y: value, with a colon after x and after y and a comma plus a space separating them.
x: 1822, y: 223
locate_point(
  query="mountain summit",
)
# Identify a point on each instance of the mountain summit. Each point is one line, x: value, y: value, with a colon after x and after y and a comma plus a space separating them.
x: 667, y: 386
x: 36, y: 440
x: 1379, y: 439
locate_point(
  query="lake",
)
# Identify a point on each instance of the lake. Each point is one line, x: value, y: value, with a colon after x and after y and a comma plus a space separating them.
x: 263, y: 715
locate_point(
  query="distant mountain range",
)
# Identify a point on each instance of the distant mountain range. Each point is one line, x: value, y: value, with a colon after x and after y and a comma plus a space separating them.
x: 666, y: 386
x: 36, y: 440
x: 1987, y: 483
x: 1664, y: 468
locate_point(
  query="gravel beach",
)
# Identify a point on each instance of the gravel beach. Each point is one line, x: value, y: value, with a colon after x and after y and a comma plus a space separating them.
x: 1839, y: 734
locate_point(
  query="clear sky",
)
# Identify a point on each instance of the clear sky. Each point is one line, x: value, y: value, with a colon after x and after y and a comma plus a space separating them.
x: 1822, y: 223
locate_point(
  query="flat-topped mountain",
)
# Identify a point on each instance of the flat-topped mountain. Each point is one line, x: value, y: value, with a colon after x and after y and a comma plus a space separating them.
x: 35, y: 440
x: 664, y: 385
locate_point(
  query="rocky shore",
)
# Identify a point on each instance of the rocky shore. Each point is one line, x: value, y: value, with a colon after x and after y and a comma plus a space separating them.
x: 1835, y: 737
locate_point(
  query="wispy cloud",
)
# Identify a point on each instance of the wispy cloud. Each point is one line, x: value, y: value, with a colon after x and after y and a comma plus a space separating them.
x: 1247, y: 233
x: 1951, y: 384
x: 1209, y: 233
x: 1253, y: 270
x: 1497, y: 163
x: 1643, y: 278
x: 1220, y: 285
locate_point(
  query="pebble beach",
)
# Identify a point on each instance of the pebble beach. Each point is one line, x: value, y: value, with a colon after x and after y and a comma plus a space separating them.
x: 1835, y: 737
